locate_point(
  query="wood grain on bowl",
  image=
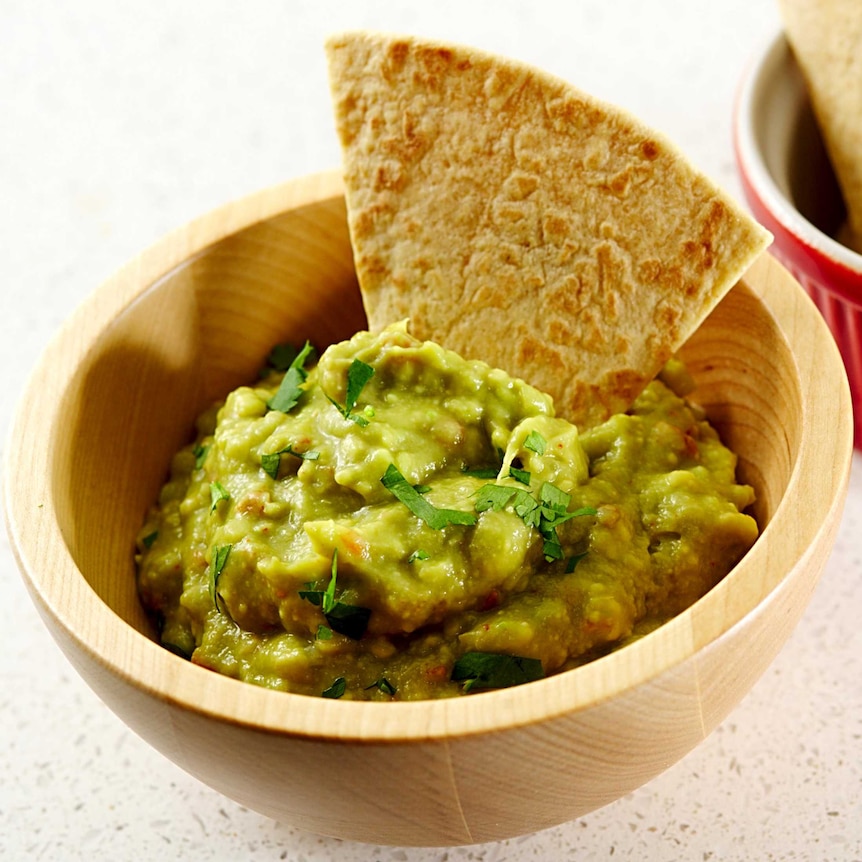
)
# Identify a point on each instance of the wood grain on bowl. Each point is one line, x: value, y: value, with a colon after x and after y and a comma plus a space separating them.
x: 116, y: 393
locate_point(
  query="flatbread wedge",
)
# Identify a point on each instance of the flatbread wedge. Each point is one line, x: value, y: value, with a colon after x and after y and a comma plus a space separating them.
x: 517, y: 220
x: 826, y: 37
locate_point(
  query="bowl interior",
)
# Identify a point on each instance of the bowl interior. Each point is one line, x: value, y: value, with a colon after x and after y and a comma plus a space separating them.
x: 206, y: 326
x: 198, y: 332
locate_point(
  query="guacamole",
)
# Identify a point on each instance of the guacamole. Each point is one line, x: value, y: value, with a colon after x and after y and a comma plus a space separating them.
x: 393, y: 522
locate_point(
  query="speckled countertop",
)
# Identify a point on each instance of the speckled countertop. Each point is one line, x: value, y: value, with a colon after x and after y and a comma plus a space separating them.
x: 122, y: 120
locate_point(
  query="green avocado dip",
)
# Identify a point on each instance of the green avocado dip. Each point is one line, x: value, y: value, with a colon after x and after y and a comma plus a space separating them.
x: 394, y: 522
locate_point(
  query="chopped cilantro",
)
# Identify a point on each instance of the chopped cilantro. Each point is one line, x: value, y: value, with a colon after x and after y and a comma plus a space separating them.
x: 489, y: 472
x: 336, y: 690
x: 418, y: 555
x: 383, y: 685
x: 494, y: 497
x: 217, y: 494
x: 281, y: 356
x: 535, y: 442
x: 573, y: 561
x: 481, y: 670
x: 357, y: 376
x: 324, y: 633
x: 219, y: 558
x: 290, y: 388
x: 272, y: 462
x: 435, y: 518
x: 349, y: 620
x: 545, y: 515
x: 481, y: 472
x: 176, y: 649
x: 149, y: 539
x: 200, y: 452
x: 522, y: 476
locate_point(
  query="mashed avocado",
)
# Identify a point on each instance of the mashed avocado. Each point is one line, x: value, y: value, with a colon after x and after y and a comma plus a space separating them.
x: 395, y: 522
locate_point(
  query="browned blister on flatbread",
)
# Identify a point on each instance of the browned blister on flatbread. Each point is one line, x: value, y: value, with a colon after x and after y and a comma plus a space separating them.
x: 516, y: 220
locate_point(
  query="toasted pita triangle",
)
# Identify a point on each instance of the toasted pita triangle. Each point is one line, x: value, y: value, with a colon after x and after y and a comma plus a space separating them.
x: 516, y: 220
x: 826, y: 36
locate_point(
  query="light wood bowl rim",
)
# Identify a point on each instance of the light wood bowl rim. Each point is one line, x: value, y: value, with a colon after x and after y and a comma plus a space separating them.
x: 129, y: 655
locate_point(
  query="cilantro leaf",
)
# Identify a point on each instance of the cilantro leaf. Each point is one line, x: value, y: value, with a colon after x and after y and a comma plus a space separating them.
x: 573, y: 561
x: 545, y: 514
x: 418, y: 555
x: 357, y: 376
x: 435, y: 518
x: 219, y: 558
x: 217, y: 494
x: 522, y: 476
x: 526, y: 508
x: 483, y: 670
x: 494, y: 497
x: 290, y: 388
x: 200, y: 452
x: 481, y: 472
x: 281, y: 356
x: 535, y: 442
x: 149, y: 539
x: 272, y: 462
x: 349, y: 620
x: 383, y: 685
x: 336, y: 690
x: 554, y: 498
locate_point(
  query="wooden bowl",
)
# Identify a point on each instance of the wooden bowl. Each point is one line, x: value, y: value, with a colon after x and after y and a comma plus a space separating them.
x: 116, y: 393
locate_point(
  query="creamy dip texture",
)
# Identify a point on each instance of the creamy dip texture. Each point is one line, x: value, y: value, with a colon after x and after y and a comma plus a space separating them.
x: 396, y: 523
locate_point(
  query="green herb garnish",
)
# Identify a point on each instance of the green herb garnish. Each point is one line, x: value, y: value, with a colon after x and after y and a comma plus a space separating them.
x: 324, y: 633
x: 545, y: 514
x: 383, y: 685
x: 290, y: 388
x: 554, y: 511
x: 219, y: 558
x: 357, y: 376
x: 336, y: 690
x: 573, y: 561
x: 435, y: 518
x: 522, y: 476
x: 349, y: 620
x: 535, y: 442
x: 272, y: 462
x: 481, y: 472
x: 217, y: 494
x: 281, y: 356
x: 176, y: 649
x: 418, y: 555
x: 482, y: 670
x: 148, y: 540
x: 200, y: 452
x: 489, y: 472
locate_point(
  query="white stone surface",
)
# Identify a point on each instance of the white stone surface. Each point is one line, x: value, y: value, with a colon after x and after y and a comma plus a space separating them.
x: 120, y: 120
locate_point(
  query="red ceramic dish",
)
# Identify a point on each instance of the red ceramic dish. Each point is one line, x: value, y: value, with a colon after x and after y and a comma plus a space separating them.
x: 791, y: 189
